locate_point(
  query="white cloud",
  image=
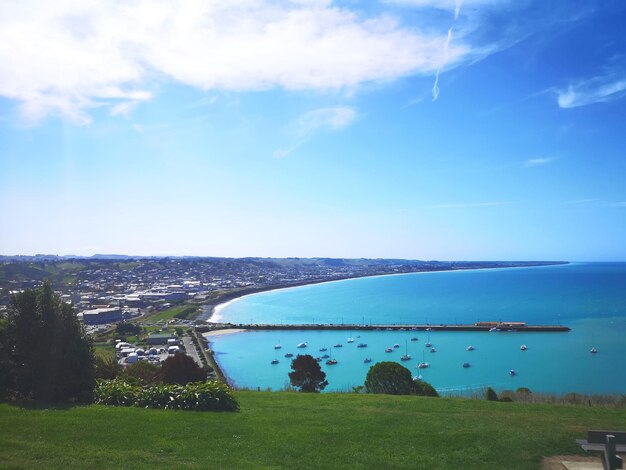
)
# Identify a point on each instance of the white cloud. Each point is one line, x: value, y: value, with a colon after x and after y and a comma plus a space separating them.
x: 124, y: 108
x: 311, y: 122
x: 69, y: 56
x: 595, y: 90
x: 470, y: 204
x: 619, y: 204
x: 538, y: 161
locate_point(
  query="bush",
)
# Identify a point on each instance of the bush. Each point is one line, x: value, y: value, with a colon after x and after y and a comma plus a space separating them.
x: 390, y: 378
x: 106, y: 367
x: 524, y: 391
x: 180, y: 369
x: 127, y: 329
x: 143, y: 373
x: 506, y: 399
x: 491, y: 395
x: 424, y: 389
x: 205, y: 396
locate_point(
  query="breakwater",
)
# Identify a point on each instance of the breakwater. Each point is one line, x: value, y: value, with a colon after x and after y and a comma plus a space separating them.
x: 416, y: 327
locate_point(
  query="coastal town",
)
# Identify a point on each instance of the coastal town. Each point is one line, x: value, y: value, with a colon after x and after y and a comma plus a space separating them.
x: 108, y: 289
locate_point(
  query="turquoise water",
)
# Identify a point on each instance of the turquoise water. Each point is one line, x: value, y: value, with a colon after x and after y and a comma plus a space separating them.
x: 590, y: 298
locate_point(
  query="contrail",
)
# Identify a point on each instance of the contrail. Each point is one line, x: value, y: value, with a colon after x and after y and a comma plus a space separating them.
x: 457, y: 11
x: 445, y: 59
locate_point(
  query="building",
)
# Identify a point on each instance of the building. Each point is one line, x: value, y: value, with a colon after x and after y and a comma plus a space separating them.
x: 102, y: 315
x: 161, y: 338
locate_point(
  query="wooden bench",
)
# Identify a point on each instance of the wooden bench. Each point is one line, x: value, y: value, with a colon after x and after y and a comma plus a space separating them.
x: 607, y: 442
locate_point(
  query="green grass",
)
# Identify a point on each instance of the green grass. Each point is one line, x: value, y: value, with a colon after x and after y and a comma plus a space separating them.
x: 104, y: 349
x: 186, y: 310
x: 288, y: 430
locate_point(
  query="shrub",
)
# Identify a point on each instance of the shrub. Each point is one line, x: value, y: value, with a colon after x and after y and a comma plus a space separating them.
x: 206, y: 396
x: 142, y: 372
x: 390, y: 378
x: 180, y: 369
x: 524, y: 391
x: 424, y: 389
x: 491, y: 395
x: 506, y: 399
x: 127, y: 329
x: 106, y: 367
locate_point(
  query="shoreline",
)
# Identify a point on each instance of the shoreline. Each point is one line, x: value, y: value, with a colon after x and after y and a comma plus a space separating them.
x: 213, y: 308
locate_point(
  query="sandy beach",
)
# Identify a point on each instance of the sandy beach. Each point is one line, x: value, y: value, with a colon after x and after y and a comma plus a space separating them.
x: 226, y: 331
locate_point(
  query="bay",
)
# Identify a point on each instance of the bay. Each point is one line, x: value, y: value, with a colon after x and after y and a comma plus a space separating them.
x: 590, y: 298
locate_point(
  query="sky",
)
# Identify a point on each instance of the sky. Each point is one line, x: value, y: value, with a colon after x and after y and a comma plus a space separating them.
x: 421, y: 129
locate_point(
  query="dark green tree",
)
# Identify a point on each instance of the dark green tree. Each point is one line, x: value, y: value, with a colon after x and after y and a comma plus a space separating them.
x: 127, y: 329
x: 307, y: 375
x: 141, y: 372
x: 390, y: 378
x: 424, y: 389
x: 53, y: 358
x: 491, y: 395
x: 180, y: 369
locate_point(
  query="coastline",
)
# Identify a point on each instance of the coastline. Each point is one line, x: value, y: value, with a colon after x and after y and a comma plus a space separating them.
x: 212, y: 309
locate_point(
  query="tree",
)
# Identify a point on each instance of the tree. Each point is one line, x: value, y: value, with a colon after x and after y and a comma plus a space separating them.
x: 106, y: 367
x: 424, y: 389
x: 390, y: 378
x: 127, y: 329
x: 142, y: 372
x: 180, y: 369
x: 491, y: 395
x: 53, y: 358
x: 307, y: 375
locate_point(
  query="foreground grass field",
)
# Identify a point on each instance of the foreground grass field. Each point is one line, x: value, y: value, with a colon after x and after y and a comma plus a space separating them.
x: 298, y: 430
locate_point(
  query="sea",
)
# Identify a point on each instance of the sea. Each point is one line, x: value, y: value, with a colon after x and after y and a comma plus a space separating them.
x: 590, y: 298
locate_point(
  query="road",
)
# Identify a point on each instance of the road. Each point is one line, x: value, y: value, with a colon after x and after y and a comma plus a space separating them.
x: 190, y: 348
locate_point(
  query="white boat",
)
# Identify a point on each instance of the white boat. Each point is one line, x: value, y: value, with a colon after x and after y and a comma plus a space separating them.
x: 302, y: 345
x: 593, y: 350
x: 417, y: 378
x: 277, y: 346
x: 331, y: 362
x: 523, y: 347
x: 433, y: 350
x: 289, y: 355
x: 388, y: 350
x: 491, y: 330
x: 422, y: 365
x: 275, y: 361
x: 405, y: 356
x: 470, y: 348
x: 512, y: 372
x: 350, y: 339
x: 324, y: 349
x: 396, y: 346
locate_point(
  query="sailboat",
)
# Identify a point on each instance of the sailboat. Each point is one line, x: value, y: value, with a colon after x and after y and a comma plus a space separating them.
x: 405, y: 356
x: 428, y: 344
x: 331, y: 361
x: 350, y: 338
x: 277, y: 345
x: 275, y: 361
x: 593, y: 349
x: 423, y: 364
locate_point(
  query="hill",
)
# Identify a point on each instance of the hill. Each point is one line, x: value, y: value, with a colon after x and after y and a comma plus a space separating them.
x: 292, y: 430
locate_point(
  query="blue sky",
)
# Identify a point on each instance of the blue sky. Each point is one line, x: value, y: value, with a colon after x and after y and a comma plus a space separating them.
x: 426, y: 129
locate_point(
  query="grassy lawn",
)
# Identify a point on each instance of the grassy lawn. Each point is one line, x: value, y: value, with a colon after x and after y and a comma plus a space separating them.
x: 104, y: 349
x: 185, y: 309
x: 295, y: 430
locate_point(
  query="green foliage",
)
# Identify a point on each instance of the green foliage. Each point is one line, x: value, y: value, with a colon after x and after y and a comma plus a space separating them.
x: 390, y: 378
x: 307, y: 375
x: 141, y: 372
x: 506, y: 399
x: 106, y: 367
x: 49, y: 356
x: 127, y: 329
x: 424, y: 389
x: 524, y: 390
x: 200, y: 396
x: 491, y: 395
x: 180, y: 369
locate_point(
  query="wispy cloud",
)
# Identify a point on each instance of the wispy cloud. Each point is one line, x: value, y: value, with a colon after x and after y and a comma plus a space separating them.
x: 538, y: 161
x: 583, y: 201
x: 470, y: 204
x: 311, y: 122
x: 619, y: 204
x: 67, y: 57
x: 595, y: 90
